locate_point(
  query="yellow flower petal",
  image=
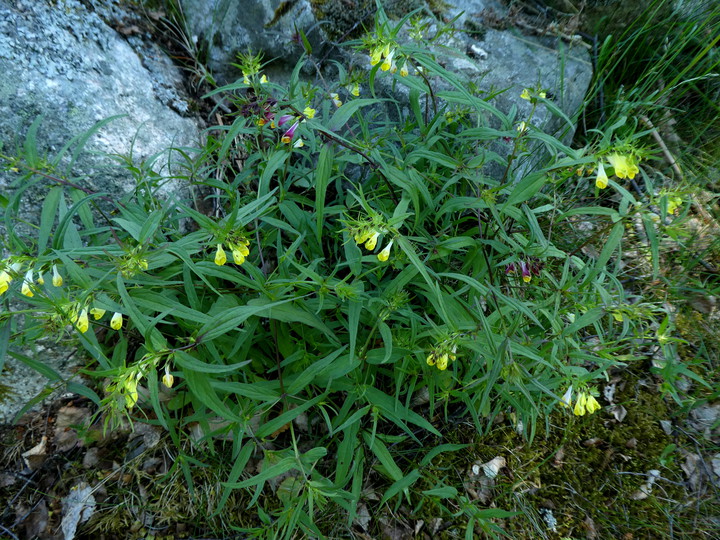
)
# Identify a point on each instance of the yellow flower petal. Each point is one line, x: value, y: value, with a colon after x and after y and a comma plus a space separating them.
x: 57, y: 279
x: 83, y: 323
x: 117, y: 321
x: 602, y: 178
x: 372, y: 241
x: 384, y: 255
x: 168, y: 379
x: 579, y: 409
x: 220, y: 257
x: 97, y: 313
x: 442, y: 362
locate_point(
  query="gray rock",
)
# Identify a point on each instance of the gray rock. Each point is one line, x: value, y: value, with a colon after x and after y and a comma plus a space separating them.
x: 61, y: 61
x: 228, y: 27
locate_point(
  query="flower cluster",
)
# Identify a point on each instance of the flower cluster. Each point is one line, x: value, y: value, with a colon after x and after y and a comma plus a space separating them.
x: 385, y: 55
x: 369, y: 237
x: 262, y: 109
x: 624, y: 166
x: 442, y: 355
x: 528, y: 268
x: 585, y: 403
x: 239, y: 246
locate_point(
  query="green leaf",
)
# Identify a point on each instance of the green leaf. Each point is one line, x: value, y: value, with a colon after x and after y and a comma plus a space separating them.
x: 322, y: 177
x: 346, y: 110
x: 392, y: 471
x: 401, y: 485
x: 47, y: 217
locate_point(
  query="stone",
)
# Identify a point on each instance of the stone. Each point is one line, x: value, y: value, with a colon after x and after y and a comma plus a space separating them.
x: 62, y: 63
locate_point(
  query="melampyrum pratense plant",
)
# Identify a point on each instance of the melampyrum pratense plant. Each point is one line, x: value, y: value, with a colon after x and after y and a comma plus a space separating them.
x: 341, y: 283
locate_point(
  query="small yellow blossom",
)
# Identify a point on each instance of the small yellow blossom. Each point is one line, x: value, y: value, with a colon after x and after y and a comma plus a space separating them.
x: 375, y: 56
x: 579, y: 409
x: 27, y: 282
x: 431, y: 359
x: 442, y: 362
x: 168, y: 378
x: 5, y: 280
x: 384, y: 255
x: 543, y: 95
x: 131, y: 393
x: 238, y: 257
x: 246, y: 79
x: 372, y: 241
x: 355, y: 91
x: 309, y: 112
x: 591, y: 404
x: 362, y: 236
x: 97, y: 313
x: 404, y: 70
x: 57, y: 279
x: 82, y: 322
x: 40, y: 279
x: 521, y: 127
x: 602, y: 178
x: 299, y: 143
x: 263, y: 79
x: 625, y: 166
x: 388, y: 62
x: 525, y: 94
x: 117, y: 321
x: 336, y: 99
x: 220, y: 257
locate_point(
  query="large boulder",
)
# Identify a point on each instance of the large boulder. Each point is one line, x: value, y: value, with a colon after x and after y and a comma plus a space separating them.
x: 62, y: 62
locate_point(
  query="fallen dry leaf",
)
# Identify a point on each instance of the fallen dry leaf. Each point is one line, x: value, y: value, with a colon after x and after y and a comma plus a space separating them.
x: 35, y: 457
x: 78, y: 507
x: 646, y: 489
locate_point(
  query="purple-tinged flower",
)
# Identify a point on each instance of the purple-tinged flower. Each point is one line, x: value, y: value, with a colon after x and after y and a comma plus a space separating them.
x: 287, y: 137
x: 525, y: 270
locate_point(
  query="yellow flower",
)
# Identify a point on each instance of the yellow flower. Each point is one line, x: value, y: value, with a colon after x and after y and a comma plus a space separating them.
x: 5, y: 280
x: 168, y: 378
x: 525, y: 94
x: 335, y: 99
x: 40, y: 279
x: 238, y: 257
x: 542, y: 95
x: 299, y: 143
x: 362, y: 236
x: 375, y: 56
x: 384, y: 255
x: 57, y: 279
x: 388, y: 62
x: 372, y: 241
x: 220, y: 257
x: 246, y: 79
x: 521, y: 127
x: 591, y: 404
x: 625, y: 166
x: 263, y: 79
x: 404, y: 70
x: 83, y: 323
x: 309, y: 112
x: 131, y: 393
x: 355, y: 91
x: 579, y: 409
x: 431, y: 359
x: 602, y: 178
x: 97, y: 313
x: 27, y: 281
x: 566, y: 400
x: 117, y: 321
x: 442, y: 362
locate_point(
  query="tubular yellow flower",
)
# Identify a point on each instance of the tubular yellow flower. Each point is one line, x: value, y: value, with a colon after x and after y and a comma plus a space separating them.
x: 83, y: 323
x: 168, y: 378
x: 591, y: 404
x: 355, y: 91
x: 525, y: 94
x: 299, y: 143
x: 579, y: 409
x: 442, y: 362
x: 220, y: 257
x: 375, y: 56
x: 97, y: 313
x: 362, y: 236
x: 372, y: 241
x: 238, y: 257
x: 264, y: 79
x: 430, y: 359
x: 388, y: 62
x: 5, y: 280
x: 384, y: 255
x: 246, y: 79
x: 117, y: 321
x: 404, y: 70
x: 336, y: 99
x: 602, y: 178
x: 27, y: 281
x: 309, y: 112
x: 40, y: 279
x: 624, y: 168
x: 131, y: 393
x: 57, y: 279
